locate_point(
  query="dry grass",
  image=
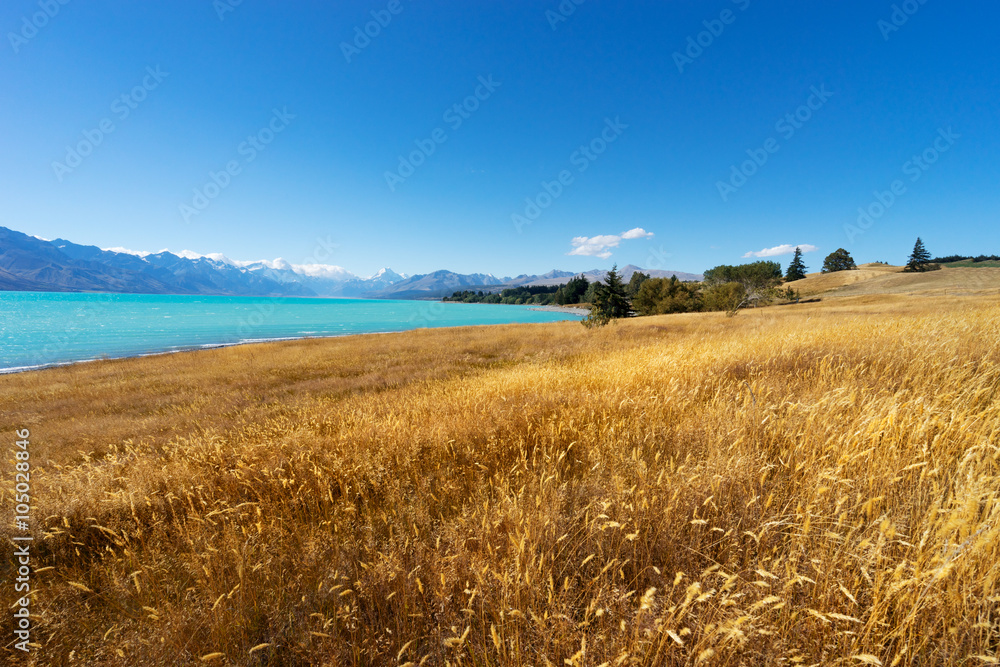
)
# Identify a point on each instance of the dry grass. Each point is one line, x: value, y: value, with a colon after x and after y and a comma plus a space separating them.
x: 808, y: 484
x: 880, y: 279
x: 983, y: 281
x: 974, y: 265
x: 818, y: 283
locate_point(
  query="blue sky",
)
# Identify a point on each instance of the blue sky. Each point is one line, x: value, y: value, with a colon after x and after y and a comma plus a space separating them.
x: 311, y: 131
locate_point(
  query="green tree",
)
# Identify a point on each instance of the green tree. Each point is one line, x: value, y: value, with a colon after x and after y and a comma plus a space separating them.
x: 610, y: 300
x: 574, y: 290
x: 756, y: 274
x: 595, y: 319
x: 729, y: 297
x: 638, y: 278
x: 660, y: 296
x: 920, y: 259
x: 755, y: 282
x: 797, y: 268
x: 838, y: 260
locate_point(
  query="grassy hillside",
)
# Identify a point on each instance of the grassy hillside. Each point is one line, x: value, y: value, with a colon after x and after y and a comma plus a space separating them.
x: 958, y: 281
x: 881, y: 279
x: 798, y: 485
x: 990, y: 263
x: 818, y: 283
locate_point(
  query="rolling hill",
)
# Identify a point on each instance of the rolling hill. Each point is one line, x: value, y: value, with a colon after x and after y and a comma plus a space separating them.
x: 873, y: 279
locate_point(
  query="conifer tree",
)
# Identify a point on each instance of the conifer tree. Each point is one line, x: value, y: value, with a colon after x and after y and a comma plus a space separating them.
x: 920, y: 259
x: 638, y: 278
x: 610, y: 300
x: 797, y: 269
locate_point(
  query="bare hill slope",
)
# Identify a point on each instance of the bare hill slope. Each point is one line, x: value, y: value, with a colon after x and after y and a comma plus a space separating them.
x: 872, y: 279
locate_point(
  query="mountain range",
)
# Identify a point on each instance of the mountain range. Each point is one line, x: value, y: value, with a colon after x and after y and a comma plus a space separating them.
x: 29, y: 263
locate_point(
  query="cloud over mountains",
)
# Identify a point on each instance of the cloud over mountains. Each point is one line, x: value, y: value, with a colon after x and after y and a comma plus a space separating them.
x: 778, y: 250
x: 601, y: 246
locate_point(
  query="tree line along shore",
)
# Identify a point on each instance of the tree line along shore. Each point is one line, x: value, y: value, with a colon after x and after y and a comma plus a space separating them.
x: 727, y: 288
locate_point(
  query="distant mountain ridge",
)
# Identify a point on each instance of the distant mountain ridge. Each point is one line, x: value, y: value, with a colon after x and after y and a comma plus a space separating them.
x: 28, y: 263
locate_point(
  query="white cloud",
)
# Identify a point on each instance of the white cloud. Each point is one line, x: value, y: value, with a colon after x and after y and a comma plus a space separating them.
x: 216, y: 256
x: 595, y: 246
x: 311, y: 270
x: 600, y: 246
x: 785, y: 249
x: 637, y: 233
x: 126, y: 251
x: 322, y: 271
x: 278, y: 263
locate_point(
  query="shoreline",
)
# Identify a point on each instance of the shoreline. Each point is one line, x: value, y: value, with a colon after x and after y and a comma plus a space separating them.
x: 195, y: 348
x: 570, y: 310
x: 253, y: 341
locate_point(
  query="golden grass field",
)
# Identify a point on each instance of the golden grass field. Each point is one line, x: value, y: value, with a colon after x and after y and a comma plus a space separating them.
x: 950, y: 281
x: 818, y: 283
x: 812, y: 484
x: 871, y: 279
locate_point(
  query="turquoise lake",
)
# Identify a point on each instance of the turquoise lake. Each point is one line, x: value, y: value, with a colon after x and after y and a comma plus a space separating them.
x: 47, y: 328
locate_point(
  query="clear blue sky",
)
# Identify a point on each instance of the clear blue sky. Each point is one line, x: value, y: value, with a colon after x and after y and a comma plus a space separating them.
x: 894, y: 95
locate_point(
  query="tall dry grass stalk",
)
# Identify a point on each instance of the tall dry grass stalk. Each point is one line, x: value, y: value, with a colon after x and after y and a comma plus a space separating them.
x: 795, y: 486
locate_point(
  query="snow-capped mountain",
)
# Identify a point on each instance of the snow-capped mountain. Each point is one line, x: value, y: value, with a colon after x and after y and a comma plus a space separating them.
x: 29, y: 263
x: 438, y: 284
x: 386, y: 276
x: 32, y: 263
x: 320, y: 279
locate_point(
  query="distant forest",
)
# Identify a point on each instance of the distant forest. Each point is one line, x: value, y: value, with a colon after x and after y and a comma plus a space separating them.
x: 962, y: 258
x: 725, y: 288
x: 573, y: 292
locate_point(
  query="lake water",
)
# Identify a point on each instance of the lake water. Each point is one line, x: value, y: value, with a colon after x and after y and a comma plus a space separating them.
x: 47, y: 328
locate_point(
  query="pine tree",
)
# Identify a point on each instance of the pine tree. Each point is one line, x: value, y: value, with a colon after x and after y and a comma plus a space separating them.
x: 610, y: 300
x: 638, y: 278
x: 920, y: 259
x: 615, y: 302
x: 797, y: 269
